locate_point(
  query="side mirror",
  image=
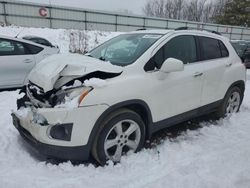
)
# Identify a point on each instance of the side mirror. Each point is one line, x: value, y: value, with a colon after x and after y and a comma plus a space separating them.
x: 172, y: 65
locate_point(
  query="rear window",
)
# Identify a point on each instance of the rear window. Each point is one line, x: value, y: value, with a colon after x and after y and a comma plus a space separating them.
x: 224, y: 51
x: 33, y: 49
x: 212, y: 48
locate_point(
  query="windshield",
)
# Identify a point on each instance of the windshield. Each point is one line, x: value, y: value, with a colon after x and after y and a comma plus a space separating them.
x: 124, y: 49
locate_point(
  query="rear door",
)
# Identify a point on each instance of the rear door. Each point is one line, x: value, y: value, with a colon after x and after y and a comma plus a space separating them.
x: 215, y: 60
x: 16, y: 61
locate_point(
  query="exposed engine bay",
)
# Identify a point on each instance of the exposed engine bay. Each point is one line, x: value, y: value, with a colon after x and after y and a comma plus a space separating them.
x: 37, y: 97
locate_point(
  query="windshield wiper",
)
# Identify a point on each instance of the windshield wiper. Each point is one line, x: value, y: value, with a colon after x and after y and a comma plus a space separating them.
x: 88, y: 54
x: 102, y: 58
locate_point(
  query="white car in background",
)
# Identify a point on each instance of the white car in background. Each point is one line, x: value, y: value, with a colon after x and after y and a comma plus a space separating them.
x: 17, y: 58
x: 110, y: 101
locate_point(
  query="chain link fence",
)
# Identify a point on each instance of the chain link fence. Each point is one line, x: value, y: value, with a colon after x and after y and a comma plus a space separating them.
x: 43, y: 15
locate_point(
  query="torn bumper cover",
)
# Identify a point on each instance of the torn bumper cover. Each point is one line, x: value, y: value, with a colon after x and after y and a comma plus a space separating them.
x: 59, y: 133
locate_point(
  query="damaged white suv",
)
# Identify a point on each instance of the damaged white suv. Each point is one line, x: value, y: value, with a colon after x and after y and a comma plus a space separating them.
x: 108, y: 102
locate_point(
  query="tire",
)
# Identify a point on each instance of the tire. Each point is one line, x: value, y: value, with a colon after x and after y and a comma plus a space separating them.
x: 115, y: 139
x: 231, y: 102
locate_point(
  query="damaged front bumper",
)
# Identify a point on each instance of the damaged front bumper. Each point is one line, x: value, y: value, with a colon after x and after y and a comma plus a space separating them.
x: 60, y: 133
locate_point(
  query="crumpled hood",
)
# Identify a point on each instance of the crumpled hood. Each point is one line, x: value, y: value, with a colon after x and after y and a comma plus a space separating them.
x: 72, y: 66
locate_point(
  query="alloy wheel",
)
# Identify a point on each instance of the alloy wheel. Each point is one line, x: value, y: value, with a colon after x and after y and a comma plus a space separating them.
x: 233, y: 103
x: 124, y: 136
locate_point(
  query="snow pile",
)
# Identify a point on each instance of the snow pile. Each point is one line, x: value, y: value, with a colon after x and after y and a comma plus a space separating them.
x: 72, y: 99
x: 82, y: 41
x: 23, y: 112
x: 69, y: 103
x: 76, y: 83
x: 76, y: 41
x: 95, y: 82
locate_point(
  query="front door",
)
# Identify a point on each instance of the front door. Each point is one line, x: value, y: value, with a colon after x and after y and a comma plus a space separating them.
x: 178, y: 92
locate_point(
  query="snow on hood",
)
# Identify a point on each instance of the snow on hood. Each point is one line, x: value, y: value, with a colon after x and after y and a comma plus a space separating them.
x: 49, y: 70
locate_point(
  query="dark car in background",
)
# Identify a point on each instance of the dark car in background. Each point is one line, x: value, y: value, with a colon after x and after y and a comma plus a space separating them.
x: 243, y: 50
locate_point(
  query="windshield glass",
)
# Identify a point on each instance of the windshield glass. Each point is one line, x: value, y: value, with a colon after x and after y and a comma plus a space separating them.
x: 124, y: 49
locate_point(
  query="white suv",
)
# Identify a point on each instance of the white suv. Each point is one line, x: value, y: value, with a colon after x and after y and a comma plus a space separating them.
x: 109, y: 101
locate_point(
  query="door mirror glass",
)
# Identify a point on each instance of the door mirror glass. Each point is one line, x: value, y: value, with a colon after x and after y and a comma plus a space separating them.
x: 172, y: 65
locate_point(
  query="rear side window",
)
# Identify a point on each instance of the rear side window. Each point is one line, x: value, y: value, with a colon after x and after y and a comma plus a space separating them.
x: 41, y: 41
x: 33, y: 49
x: 224, y: 51
x: 212, y: 48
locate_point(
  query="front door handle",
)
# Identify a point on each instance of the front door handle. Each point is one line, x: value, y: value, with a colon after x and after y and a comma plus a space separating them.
x: 27, y: 61
x: 228, y: 64
x: 197, y: 74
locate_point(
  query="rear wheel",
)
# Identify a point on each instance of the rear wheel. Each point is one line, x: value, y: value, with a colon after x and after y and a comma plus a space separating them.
x: 122, y: 132
x: 231, y: 103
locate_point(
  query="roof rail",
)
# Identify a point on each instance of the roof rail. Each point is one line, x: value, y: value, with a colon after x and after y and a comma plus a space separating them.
x: 187, y: 28
x: 216, y: 32
x: 181, y: 28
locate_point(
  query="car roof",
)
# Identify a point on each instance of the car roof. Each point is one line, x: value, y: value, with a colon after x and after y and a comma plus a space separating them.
x: 152, y: 31
x: 21, y: 40
x: 32, y: 37
x: 184, y: 31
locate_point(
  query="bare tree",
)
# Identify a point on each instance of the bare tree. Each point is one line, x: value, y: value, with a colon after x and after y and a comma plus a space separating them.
x: 208, y: 12
x: 179, y: 6
x: 169, y: 9
x: 193, y: 10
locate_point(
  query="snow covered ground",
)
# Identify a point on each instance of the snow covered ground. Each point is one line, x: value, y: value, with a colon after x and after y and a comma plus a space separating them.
x: 217, y: 155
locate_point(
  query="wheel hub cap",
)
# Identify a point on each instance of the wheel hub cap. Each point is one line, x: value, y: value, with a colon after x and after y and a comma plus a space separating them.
x: 233, y: 103
x: 123, y: 137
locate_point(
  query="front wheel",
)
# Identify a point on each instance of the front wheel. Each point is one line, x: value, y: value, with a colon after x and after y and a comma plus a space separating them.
x: 122, y: 132
x: 231, y: 103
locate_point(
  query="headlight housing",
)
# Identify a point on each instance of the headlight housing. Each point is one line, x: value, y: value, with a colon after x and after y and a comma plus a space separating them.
x: 72, y: 97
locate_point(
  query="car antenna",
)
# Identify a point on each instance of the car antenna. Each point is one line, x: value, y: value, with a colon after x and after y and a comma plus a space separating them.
x: 19, y: 33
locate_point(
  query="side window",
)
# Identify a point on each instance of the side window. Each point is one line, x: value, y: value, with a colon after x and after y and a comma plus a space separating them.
x: 9, y: 47
x: 210, y: 48
x: 33, y: 49
x: 6, y: 47
x: 180, y: 47
x: 224, y: 51
x: 20, y: 49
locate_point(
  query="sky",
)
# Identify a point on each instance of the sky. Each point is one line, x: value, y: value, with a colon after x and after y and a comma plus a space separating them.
x: 133, y: 6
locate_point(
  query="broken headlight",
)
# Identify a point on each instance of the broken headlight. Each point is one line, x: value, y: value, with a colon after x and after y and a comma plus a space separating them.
x: 72, y: 97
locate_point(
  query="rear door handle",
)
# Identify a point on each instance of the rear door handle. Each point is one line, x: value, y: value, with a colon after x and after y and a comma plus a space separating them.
x: 27, y: 61
x: 228, y: 64
x: 197, y: 74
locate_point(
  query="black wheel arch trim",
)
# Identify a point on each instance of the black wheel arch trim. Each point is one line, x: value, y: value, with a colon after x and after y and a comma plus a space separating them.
x: 239, y: 83
x: 124, y: 104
